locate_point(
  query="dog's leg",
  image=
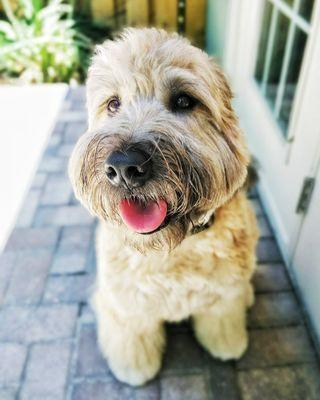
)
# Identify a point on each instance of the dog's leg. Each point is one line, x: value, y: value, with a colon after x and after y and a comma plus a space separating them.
x: 222, y: 329
x: 132, y: 346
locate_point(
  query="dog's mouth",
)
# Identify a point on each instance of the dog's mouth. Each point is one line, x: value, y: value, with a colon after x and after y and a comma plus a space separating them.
x: 147, y: 217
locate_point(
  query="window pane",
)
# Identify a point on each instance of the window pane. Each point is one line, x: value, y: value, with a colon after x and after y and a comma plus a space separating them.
x: 279, y: 44
x: 306, y: 9
x: 279, y: 60
x: 300, y: 39
x: 263, y: 41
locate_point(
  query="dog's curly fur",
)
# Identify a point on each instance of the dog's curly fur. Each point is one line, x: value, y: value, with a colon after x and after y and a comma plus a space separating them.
x: 200, y: 161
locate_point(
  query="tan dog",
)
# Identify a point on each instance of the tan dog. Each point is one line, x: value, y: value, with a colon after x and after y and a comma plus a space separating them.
x: 162, y: 166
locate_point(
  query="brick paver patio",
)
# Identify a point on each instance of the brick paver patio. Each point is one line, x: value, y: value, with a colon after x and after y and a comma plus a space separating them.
x: 48, y: 344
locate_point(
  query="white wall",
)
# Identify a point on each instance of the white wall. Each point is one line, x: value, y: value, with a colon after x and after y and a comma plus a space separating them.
x: 27, y: 116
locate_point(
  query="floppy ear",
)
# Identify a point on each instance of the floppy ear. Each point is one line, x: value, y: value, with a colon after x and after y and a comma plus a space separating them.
x: 233, y: 152
x: 226, y: 119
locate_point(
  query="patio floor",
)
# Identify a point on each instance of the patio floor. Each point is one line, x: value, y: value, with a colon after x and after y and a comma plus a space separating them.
x: 48, y: 344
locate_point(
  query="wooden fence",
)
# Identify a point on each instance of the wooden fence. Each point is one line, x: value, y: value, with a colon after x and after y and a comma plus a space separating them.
x: 184, y: 16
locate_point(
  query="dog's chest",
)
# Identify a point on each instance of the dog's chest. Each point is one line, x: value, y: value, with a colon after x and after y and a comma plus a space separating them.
x: 183, y: 286
x: 170, y: 286
x: 178, y: 296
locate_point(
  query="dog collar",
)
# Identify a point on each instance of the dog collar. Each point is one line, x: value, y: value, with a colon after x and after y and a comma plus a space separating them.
x: 202, y: 227
x: 194, y: 230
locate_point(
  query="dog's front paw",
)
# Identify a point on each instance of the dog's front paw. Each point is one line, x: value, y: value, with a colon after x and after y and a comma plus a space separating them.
x: 222, y: 338
x: 135, y: 371
x: 226, y: 347
x: 133, y: 358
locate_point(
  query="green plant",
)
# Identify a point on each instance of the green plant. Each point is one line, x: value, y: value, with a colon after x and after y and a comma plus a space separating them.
x: 40, y: 42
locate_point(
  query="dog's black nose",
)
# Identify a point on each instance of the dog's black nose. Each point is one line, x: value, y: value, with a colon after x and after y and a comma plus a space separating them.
x: 129, y: 169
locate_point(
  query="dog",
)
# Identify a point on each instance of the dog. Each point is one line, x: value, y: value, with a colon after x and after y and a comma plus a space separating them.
x: 163, y: 166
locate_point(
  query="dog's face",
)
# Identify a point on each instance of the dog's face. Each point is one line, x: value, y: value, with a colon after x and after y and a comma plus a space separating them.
x: 163, y: 149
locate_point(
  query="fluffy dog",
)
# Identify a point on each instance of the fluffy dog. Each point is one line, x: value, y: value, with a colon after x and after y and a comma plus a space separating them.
x: 163, y: 166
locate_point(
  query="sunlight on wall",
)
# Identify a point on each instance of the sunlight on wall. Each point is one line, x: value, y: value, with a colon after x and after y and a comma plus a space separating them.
x: 27, y: 116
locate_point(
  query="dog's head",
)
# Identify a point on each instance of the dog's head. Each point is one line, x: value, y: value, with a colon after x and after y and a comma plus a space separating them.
x: 163, y: 149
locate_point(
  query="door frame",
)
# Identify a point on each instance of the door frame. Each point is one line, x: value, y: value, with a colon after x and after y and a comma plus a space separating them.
x: 242, y: 35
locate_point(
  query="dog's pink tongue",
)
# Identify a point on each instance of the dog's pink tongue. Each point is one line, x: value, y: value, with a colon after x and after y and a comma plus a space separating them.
x: 143, y: 218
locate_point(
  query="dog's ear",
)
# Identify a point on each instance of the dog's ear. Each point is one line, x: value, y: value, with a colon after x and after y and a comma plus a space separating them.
x: 225, y: 117
x: 222, y: 97
x: 229, y: 137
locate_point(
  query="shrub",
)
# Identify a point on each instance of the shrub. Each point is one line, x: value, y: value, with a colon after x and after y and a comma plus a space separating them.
x: 40, y: 42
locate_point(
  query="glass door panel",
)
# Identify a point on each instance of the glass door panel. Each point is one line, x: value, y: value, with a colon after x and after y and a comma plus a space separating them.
x: 284, y: 33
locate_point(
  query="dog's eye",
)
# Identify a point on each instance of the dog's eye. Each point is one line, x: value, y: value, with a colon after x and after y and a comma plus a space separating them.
x: 113, y: 104
x: 182, y: 102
